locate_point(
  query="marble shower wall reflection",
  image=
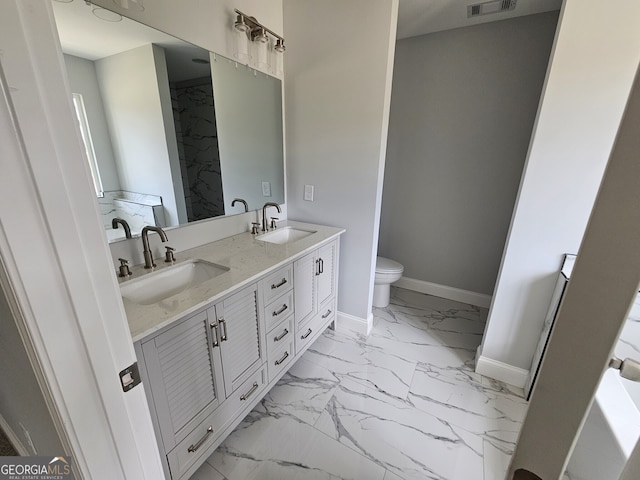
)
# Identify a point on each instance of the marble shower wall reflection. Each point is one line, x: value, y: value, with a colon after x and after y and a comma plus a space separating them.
x: 137, y: 209
x: 196, y: 134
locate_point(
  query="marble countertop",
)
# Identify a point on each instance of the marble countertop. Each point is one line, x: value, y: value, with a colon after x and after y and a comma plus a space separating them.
x: 247, y: 259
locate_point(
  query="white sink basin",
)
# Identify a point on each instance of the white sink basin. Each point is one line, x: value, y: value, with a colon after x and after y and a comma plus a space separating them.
x: 285, y: 235
x: 157, y: 286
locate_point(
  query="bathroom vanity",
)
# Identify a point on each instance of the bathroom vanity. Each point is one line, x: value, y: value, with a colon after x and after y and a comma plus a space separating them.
x: 249, y: 307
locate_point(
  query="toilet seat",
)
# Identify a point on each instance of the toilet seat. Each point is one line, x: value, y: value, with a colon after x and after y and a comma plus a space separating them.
x: 386, y: 265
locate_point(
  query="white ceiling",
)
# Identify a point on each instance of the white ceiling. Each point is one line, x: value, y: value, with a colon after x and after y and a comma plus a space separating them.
x: 419, y: 17
x: 84, y: 35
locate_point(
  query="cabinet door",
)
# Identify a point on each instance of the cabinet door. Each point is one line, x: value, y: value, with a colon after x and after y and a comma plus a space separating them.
x: 240, y: 337
x: 304, y: 277
x: 179, y: 365
x: 326, y: 273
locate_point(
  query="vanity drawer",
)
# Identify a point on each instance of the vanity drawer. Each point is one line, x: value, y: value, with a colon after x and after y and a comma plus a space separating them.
x: 201, y: 440
x: 277, y: 310
x: 280, y: 358
x: 277, y: 283
x: 308, y: 332
x: 279, y: 335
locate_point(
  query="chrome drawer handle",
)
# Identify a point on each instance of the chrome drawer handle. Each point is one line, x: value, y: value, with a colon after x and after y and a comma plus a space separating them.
x: 284, y: 357
x: 282, y: 282
x: 214, y: 328
x: 223, y: 323
x: 281, y: 336
x: 306, y: 334
x: 326, y: 314
x: 250, y: 392
x: 284, y: 307
x: 194, y: 448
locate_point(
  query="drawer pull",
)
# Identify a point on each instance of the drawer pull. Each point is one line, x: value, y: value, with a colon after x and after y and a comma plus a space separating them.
x: 282, y: 282
x: 284, y: 357
x: 214, y: 328
x: 281, y: 336
x: 306, y: 334
x: 223, y: 324
x: 326, y: 314
x: 284, y: 307
x: 250, y: 392
x: 194, y: 448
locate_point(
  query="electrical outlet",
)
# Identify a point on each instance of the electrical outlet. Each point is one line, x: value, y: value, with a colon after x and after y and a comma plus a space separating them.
x: 266, y: 189
x: 308, y: 193
x: 27, y: 436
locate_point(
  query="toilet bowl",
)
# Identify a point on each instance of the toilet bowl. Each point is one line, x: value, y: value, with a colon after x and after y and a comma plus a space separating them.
x: 387, y: 272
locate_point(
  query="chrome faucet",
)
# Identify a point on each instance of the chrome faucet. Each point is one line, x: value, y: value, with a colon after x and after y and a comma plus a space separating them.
x: 264, y: 214
x: 125, y: 225
x: 246, y: 206
x: 148, y: 257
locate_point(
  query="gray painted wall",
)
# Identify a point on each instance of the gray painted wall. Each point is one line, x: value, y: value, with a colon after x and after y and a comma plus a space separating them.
x: 83, y: 80
x: 337, y: 105
x: 592, y: 68
x: 462, y: 110
x: 137, y: 100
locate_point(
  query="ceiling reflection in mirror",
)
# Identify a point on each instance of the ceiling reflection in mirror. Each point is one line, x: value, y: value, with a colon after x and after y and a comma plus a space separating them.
x: 177, y: 133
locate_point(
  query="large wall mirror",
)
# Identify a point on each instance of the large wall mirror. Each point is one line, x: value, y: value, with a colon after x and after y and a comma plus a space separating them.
x: 173, y: 133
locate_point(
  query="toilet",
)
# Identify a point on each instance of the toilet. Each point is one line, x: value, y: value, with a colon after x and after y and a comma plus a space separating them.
x: 387, y: 272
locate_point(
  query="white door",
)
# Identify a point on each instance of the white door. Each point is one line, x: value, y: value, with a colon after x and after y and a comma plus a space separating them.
x: 604, y: 282
x: 57, y: 261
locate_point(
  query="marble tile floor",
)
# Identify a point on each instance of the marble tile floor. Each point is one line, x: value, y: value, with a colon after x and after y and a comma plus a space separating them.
x: 403, y: 403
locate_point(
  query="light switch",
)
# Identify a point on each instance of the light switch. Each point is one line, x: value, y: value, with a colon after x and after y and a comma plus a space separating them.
x: 308, y: 193
x: 266, y: 189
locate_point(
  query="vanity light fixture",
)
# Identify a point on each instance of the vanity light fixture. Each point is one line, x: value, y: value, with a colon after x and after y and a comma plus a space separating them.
x: 248, y: 28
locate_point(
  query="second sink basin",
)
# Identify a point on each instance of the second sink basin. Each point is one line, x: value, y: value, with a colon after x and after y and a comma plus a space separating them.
x: 284, y: 235
x: 157, y: 286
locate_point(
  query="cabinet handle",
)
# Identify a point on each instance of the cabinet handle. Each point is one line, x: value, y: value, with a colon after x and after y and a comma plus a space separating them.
x: 194, y: 448
x: 284, y: 307
x: 282, y: 282
x: 321, y: 266
x: 281, y: 336
x: 326, y: 314
x: 223, y: 323
x: 284, y: 357
x: 250, y: 392
x: 214, y: 328
x: 317, y: 267
x: 306, y: 334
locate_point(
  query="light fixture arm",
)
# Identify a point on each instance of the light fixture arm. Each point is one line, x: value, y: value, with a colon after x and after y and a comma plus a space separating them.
x: 255, y: 27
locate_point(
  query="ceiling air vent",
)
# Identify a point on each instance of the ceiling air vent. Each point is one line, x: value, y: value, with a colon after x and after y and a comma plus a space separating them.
x: 487, y: 8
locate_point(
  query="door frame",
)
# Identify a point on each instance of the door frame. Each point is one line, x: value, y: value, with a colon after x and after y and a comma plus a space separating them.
x: 57, y: 261
x: 603, y: 285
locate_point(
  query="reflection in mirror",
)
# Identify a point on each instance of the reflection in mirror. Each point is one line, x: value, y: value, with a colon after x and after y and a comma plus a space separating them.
x: 176, y: 133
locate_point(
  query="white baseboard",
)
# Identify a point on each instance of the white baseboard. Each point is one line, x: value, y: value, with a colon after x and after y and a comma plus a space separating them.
x: 501, y: 371
x: 355, y: 324
x: 443, y: 291
x: 13, y: 438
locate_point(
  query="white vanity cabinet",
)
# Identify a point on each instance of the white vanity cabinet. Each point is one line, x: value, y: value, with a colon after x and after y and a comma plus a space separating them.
x: 315, y: 293
x: 205, y: 371
x: 200, y: 373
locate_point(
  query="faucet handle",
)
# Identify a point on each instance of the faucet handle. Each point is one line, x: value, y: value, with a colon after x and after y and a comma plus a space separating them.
x: 273, y: 223
x: 254, y: 227
x: 168, y: 256
x: 124, y: 268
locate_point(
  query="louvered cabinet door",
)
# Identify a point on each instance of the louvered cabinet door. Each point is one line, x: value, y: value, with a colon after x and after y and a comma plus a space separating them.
x: 304, y: 288
x: 240, y: 337
x: 181, y: 364
x: 326, y: 273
